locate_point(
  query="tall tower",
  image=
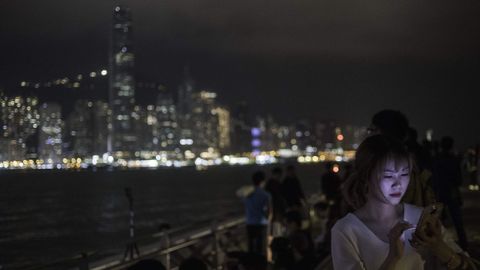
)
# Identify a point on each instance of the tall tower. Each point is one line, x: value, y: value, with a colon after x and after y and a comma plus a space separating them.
x: 122, y: 84
x: 185, y: 107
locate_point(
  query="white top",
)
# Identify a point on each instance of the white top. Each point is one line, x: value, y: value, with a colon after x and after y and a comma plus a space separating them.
x: 355, y: 246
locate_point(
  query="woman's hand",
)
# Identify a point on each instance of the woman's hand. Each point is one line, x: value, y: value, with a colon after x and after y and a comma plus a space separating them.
x: 429, y: 236
x: 396, y: 244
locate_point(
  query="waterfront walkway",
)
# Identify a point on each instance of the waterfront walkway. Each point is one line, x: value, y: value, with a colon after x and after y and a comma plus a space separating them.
x: 471, y: 218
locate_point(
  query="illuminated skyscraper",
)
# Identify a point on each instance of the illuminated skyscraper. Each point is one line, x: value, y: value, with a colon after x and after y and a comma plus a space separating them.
x: 204, y: 122
x: 241, y: 129
x: 122, y: 83
x: 19, y: 120
x: 185, y: 107
x: 223, y: 129
x: 79, y: 129
x: 50, y: 136
x: 86, y: 129
x: 167, y: 128
x: 100, y: 127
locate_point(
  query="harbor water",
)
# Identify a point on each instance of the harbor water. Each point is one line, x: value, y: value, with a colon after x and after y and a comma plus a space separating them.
x: 47, y: 215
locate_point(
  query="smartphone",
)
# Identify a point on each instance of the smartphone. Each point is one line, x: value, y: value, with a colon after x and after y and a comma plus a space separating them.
x: 434, y: 210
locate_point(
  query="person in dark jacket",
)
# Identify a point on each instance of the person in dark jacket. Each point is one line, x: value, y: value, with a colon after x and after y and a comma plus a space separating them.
x: 447, y: 179
x: 292, y: 190
x: 273, y: 186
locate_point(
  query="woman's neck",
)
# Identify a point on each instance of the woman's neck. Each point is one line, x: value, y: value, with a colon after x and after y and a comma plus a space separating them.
x: 384, y: 212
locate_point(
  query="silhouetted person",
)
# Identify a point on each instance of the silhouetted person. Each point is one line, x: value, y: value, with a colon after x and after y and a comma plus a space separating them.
x: 258, y: 212
x: 301, y: 241
x: 331, y: 183
x: 422, y: 157
x: 471, y: 161
x: 321, y: 229
x: 331, y: 187
x: 447, y: 181
x: 292, y: 190
x: 391, y: 123
x: 147, y: 264
x: 273, y: 186
x: 282, y: 254
x: 193, y: 263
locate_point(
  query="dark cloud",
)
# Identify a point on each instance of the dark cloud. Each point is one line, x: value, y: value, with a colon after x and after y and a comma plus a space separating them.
x: 328, y: 59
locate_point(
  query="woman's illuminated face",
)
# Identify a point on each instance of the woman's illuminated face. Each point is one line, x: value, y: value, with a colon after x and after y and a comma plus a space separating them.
x: 394, y: 181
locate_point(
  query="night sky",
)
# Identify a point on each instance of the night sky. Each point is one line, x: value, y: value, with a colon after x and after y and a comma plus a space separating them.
x: 332, y: 59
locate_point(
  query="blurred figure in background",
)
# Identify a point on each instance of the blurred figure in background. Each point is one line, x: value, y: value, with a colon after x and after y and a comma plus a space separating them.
x: 273, y: 186
x: 331, y: 183
x: 300, y: 240
x: 447, y: 177
x: 258, y: 211
x: 292, y: 190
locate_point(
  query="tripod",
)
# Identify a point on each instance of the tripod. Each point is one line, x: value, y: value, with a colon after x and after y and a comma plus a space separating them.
x: 132, y: 247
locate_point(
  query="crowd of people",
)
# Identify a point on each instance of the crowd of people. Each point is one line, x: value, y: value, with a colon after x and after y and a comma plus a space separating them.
x: 387, y: 210
x: 372, y: 210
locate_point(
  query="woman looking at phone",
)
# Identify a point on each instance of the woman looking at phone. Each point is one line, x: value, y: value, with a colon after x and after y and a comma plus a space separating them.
x: 380, y: 233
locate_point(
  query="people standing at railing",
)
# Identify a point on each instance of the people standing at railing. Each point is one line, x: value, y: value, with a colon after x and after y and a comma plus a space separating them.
x: 447, y: 179
x: 273, y: 186
x: 258, y: 211
x: 292, y: 190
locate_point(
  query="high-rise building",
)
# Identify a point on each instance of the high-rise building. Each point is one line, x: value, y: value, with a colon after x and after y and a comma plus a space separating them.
x: 166, y: 135
x: 304, y: 135
x: 79, y: 135
x: 285, y: 137
x: 269, y: 129
x: 101, y: 120
x: 50, y: 134
x: 241, y: 129
x: 223, y: 129
x: 204, y: 122
x: 144, y: 122
x: 122, y: 84
x: 325, y: 134
x: 352, y: 136
x: 185, y: 108
x: 86, y: 129
x: 19, y: 121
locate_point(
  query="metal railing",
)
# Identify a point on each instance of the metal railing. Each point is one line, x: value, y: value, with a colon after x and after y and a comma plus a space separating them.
x: 209, y: 240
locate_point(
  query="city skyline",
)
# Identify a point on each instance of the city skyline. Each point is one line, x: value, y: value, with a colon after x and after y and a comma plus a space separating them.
x: 404, y: 58
x: 188, y: 126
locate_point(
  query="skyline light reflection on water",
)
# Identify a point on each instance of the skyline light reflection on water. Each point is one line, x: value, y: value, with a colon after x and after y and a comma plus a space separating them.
x: 51, y: 215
